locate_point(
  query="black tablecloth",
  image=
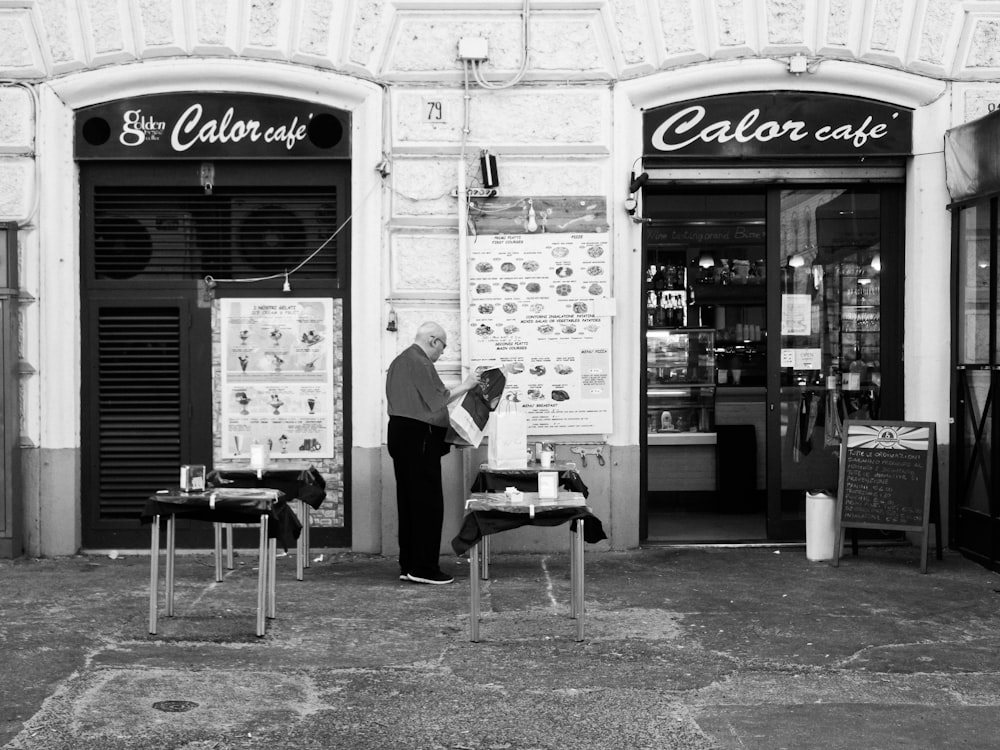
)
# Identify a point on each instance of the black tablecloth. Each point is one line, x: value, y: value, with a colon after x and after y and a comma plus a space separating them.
x: 480, y: 523
x: 526, y: 480
x: 306, y: 485
x: 283, y: 524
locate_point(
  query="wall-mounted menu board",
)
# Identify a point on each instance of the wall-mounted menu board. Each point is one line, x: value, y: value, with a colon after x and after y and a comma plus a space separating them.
x: 886, y: 478
x: 540, y: 293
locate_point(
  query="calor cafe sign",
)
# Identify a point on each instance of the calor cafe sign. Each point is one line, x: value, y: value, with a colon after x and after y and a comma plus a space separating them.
x: 211, y: 125
x: 777, y: 124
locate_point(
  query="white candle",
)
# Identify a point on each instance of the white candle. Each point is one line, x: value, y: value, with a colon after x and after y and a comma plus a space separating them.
x: 258, y: 456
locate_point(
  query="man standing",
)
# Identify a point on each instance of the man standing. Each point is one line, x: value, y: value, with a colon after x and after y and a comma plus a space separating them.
x: 418, y: 420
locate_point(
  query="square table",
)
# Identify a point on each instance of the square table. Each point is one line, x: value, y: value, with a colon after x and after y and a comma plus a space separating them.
x: 492, y: 512
x: 497, y: 480
x: 300, y: 482
x: 264, y: 507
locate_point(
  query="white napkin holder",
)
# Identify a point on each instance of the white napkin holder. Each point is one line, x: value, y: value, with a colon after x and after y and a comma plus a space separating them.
x: 548, y: 485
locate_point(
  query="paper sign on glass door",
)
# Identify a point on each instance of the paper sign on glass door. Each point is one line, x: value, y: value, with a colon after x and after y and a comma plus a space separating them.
x: 796, y: 315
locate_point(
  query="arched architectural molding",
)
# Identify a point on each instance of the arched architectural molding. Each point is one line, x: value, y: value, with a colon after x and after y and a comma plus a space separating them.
x: 831, y: 76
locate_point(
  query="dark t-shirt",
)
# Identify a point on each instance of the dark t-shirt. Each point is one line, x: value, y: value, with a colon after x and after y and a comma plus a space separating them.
x: 414, y: 389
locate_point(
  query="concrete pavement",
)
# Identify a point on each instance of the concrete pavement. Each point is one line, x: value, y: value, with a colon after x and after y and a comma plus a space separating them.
x: 685, y: 648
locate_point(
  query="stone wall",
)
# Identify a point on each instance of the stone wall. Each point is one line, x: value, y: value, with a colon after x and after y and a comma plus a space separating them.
x: 553, y: 133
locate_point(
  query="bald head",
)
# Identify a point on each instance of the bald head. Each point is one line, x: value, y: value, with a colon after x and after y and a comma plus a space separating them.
x: 432, y: 339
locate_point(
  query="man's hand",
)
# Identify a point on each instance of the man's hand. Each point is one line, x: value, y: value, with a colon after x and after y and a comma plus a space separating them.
x: 472, y: 381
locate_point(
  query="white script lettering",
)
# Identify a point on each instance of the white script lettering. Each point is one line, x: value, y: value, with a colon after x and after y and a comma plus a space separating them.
x: 190, y: 130
x: 686, y: 127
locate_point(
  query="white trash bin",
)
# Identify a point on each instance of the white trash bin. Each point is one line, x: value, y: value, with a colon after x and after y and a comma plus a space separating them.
x: 821, y: 526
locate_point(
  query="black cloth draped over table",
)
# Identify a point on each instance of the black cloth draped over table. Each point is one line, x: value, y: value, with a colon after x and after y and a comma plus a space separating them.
x: 305, y: 484
x: 480, y: 523
x: 283, y: 524
x: 526, y: 480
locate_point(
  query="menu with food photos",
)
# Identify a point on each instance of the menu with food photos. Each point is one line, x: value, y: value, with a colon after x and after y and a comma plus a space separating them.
x: 277, y: 378
x: 538, y: 305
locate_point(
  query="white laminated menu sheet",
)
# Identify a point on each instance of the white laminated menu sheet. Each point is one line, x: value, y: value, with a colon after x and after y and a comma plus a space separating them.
x: 534, y: 301
x: 277, y: 377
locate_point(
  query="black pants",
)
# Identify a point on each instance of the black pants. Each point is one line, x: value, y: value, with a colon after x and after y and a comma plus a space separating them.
x: 416, y: 449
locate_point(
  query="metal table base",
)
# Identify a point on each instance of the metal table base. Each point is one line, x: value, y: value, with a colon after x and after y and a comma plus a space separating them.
x: 301, y: 545
x: 267, y: 551
x: 479, y: 565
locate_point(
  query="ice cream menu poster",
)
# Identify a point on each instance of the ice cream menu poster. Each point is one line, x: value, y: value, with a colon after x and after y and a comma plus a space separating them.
x: 277, y: 377
x: 536, y: 308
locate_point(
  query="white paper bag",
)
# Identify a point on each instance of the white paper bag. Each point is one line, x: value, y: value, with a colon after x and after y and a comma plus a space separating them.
x: 508, y: 437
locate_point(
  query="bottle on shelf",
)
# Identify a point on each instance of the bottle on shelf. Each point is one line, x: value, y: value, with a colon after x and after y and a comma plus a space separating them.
x: 724, y: 273
x: 660, y: 279
x: 672, y: 277
x: 679, y: 311
x: 660, y: 314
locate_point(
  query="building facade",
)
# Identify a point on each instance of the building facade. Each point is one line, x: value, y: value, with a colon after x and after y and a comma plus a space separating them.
x: 673, y: 131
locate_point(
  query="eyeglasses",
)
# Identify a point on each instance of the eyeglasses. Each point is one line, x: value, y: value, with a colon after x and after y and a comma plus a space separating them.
x: 441, y: 341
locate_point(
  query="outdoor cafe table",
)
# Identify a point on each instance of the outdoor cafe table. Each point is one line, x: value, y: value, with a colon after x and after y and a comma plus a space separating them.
x: 299, y: 482
x: 264, y: 507
x: 492, y: 512
x: 490, y: 479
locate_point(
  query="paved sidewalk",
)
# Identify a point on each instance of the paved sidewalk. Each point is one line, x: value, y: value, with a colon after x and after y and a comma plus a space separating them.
x: 685, y: 648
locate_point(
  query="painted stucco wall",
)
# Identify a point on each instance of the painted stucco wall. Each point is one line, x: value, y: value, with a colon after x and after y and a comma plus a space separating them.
x: 568, y: 128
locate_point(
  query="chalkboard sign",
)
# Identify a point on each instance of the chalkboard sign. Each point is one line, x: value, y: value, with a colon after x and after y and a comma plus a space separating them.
x: 887, y: 473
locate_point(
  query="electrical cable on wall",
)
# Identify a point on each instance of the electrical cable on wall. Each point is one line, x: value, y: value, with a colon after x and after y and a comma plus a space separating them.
x: 478, y: 73
x: 211, y: 281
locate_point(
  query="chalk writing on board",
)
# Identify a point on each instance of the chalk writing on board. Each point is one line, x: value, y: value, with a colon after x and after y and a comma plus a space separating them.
x: 887, y: 478
x: 884, y: 486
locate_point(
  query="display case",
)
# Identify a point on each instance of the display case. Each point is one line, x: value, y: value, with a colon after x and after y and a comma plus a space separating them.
x: 680, y: 385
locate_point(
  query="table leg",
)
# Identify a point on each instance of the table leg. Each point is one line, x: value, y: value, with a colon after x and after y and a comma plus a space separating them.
x: 229, y: 546
x: 474, y: 592
x: 572, y: 573
x: 170, y: 565
x: 154, y: 573
x: 272, y: 558
x: 217, y: 529
x: 302, y: 548
x: 578, y: 578
x: 485, y: 558
x: 306, y: 526
x: 262, y: 566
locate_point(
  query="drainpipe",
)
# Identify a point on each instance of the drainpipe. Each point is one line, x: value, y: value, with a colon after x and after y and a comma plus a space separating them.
x: 11, y: 542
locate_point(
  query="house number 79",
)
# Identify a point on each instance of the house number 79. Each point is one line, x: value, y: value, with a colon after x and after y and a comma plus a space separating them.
x: 435, y: 110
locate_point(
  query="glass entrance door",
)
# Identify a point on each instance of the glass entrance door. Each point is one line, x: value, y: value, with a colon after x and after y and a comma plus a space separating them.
x: 798, y: 293
x: 837, y: 346
x: 977, y: 383
x: 705, y: 368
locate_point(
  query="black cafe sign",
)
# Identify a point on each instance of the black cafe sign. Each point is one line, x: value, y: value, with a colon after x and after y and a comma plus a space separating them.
x: 201, y: 125
x: 765, y: 125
